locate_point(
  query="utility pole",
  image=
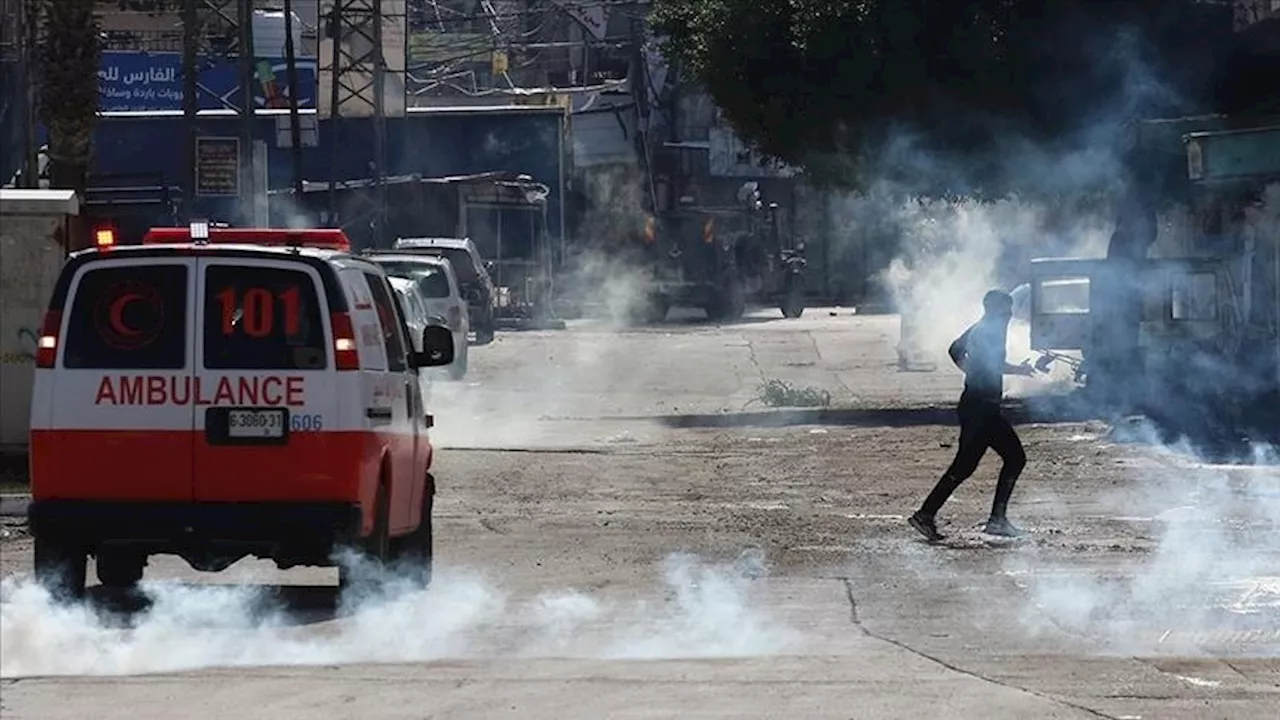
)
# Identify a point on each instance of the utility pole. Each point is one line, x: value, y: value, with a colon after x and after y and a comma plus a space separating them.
x: 640, y: 96
x: 248, y: 196
x: 334, y: 25
x: 29, y: 17
x: 295, y: 131
x: 358, y: 78
x: 378, y: 219
x: 218, y: 31
x: 190, y: 101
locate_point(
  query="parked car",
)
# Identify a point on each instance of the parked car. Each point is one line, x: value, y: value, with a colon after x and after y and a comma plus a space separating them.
x: 472, y: 273
x: 222, y: 393
x: 429, y: 295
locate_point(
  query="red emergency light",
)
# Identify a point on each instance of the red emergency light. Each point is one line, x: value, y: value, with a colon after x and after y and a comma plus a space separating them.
x: 324, y: 238
x: 104, y: 236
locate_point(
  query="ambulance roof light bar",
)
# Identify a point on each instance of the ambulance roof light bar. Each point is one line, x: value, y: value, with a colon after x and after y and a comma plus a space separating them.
x: 319, y: 238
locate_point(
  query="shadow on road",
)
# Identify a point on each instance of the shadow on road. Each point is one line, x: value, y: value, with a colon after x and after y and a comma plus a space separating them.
x: 290, y: 605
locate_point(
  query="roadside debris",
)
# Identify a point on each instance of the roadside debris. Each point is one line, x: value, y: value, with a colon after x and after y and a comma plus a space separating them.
x: 779, y: 393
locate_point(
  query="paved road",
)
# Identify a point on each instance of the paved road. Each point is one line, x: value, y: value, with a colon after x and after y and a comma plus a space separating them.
x: 624, y: 531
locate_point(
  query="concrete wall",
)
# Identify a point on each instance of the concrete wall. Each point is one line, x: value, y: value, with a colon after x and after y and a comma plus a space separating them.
x: 30, y: 257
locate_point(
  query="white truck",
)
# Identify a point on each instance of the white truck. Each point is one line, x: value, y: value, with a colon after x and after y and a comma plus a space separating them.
x: 35, y: 229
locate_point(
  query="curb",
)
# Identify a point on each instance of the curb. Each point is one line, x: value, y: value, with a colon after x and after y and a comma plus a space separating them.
x: 14, y: 505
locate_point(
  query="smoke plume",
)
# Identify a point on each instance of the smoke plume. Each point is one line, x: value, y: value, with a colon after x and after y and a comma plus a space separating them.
x: 710, y: 611
x: 1209, y: 575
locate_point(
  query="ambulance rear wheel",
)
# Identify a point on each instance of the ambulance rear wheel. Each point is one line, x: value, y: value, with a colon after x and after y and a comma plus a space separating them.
x: 120, y: 570
x: 374, y: 551
x: 60, y: 568
x: 412, y: 553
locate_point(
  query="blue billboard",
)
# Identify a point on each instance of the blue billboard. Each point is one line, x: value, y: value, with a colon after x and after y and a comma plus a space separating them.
x: 154, y: 81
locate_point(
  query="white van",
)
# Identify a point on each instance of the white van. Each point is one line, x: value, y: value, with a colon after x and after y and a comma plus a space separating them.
x: 435, y: 286
x: 223, y: 393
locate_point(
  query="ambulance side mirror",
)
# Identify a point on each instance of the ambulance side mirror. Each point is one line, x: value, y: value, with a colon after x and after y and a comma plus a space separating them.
x: 437, y: 347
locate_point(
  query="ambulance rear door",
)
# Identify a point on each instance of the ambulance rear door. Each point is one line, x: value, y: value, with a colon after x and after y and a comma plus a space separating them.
x: 266, y: 383
x: 113, y: 420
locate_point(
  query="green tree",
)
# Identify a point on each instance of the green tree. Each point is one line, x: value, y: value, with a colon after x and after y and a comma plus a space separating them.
x: 799, y: 79
x: 67, y: 88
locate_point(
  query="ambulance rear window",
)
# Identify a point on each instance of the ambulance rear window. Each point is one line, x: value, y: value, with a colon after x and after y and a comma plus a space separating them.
x: 129, y: 318
x: 262, y: 318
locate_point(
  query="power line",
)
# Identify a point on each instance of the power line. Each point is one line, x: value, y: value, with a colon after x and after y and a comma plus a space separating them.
x: 564, y: 9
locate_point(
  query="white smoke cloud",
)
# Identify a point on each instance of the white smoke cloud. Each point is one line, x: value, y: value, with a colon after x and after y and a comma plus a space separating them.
x: 710, y: 612
x: 1213, y: 563
x: 951, y: 251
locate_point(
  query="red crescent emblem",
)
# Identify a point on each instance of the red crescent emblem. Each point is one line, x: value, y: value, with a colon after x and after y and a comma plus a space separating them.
x: 116, y: 316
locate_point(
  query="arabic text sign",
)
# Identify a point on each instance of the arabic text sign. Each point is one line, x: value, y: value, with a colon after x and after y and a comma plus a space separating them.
x: 154, y: 81
x: 217, y: 167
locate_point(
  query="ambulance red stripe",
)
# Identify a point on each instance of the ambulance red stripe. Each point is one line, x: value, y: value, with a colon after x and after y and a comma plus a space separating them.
x: 313, y: 467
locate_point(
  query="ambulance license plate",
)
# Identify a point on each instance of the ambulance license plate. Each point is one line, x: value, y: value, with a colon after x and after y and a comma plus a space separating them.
x: 255, y: 423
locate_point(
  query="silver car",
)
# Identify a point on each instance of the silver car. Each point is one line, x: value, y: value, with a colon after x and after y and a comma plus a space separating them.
x: 429, y: 294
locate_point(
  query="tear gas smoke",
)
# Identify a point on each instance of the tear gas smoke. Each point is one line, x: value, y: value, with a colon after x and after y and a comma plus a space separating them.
x: 582, y: 375
x: 1214, y: 531
x: 607, y: 273
x: 950, y: 251
x: 1212, y: 566
x: 708, y: 613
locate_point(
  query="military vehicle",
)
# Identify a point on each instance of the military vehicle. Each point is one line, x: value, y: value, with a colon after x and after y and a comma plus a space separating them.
x: 722, y: 258
x: 1181, y: 321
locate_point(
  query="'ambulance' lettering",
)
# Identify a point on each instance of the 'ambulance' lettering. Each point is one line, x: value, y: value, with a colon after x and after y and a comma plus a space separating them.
x: 186, y: 390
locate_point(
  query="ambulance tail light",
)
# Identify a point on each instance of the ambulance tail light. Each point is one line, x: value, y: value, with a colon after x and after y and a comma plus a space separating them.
x: 47, y: 344
x: 345, y: 355
x: 104, y: 237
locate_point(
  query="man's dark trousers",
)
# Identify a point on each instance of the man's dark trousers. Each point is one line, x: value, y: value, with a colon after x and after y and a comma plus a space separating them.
x: 982, y: 426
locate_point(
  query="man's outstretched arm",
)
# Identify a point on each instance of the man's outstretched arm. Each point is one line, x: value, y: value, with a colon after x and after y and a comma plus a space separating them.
x: 1023, y: 369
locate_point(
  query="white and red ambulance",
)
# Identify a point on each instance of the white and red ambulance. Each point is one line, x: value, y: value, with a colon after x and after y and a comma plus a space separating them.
x: 217, y: 393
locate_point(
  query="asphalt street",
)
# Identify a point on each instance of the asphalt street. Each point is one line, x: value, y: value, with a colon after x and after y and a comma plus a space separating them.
x: 625, y: 528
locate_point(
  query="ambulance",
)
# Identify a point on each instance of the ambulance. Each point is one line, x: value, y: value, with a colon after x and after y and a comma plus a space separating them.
x: 219, y: 393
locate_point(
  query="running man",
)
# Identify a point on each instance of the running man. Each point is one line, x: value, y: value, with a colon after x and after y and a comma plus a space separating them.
x: 980, y: 353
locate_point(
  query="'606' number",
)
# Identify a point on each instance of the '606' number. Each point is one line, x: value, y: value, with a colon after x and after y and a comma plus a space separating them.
x: 305, y: 422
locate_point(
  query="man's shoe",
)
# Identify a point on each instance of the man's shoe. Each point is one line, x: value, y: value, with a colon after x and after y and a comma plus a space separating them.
x: 1003, y: 528
x: 926, y: 526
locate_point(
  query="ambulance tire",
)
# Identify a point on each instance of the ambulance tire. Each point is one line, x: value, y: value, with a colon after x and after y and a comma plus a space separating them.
x: 374, y: 550
x: 60, y: 568
x: 120, y: 570
x: 412, y: 553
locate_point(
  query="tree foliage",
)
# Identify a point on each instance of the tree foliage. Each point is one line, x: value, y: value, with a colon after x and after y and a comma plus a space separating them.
x: 799, y: 79
x: 67, y: 87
